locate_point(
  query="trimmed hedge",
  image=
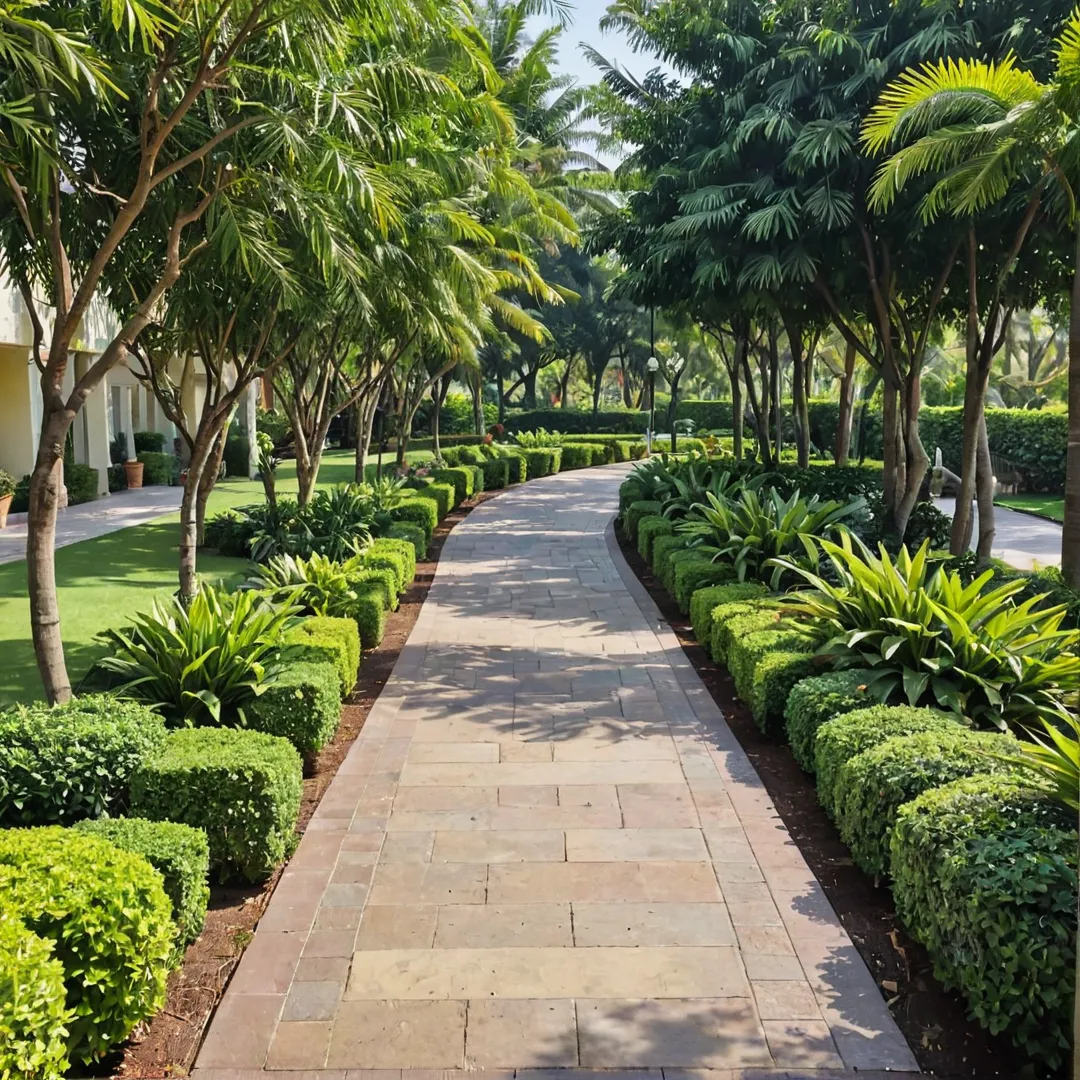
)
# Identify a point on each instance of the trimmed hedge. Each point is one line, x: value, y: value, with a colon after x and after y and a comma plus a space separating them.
x: 746, y: 651
x: 109, y: 920
x: 303, y: 705
x: 872, y: 786
x: 81, y: 482
x: 33, y: 1008
x: 815, y: 700
x: 737, y: 618
x: 400, y: 549
x: 578, y: 421
x: 328, y: 640
x: 157, y: 468
x: 421, y: 512
x: 516, y: 465
x: 692, y: 577
x: 242, y: 788
x: 410, y: 533
x: 840, y: 739
x: 149, y: 442
x: 775, y: 676
x: 383, y: 579
x: 460, y: 477
x: 704, y: 601
x: 441, y: 494
x: 581, y: 455
x: 540, y: 460
x: 635, y: 512
x: 680, y: 557
x: 179, y: 853
x: 663, y: 548
x: 496, y: 473
x: 648, y: 529
x: 58, y: 765
x: 630, y: 491
x: 369, y: 613
x: 393, y: 559
x: 985, y: 876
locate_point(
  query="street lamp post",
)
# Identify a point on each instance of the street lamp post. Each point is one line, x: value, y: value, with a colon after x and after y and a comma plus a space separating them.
x: 653, y: 365
x: 674, y: 366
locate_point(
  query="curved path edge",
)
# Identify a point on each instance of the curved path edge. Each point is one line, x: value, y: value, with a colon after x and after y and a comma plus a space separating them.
x: 547, y: 856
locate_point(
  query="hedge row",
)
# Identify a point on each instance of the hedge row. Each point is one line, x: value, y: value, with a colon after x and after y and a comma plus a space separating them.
x: 983, y: 868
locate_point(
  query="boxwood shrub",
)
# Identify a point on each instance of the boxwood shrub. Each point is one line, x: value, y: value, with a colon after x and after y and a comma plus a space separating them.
x: 736, y: 619
x: 663, y: 548
x: 841, y: 738
x: 516, y: 465
x: 496, y: 473
x: 441, y: 494
x: 382, y: 579
x: 413, y: 534
x: 33, y: 1007
x: 327, y: 640
x: 403, y: 554
x: 648, y: 529
x: 703, y: 601
x: 179, y: 853
x: 985, y: 876
x: 680, y: 557
x: 422, y: 512
x: 775, y: 675
x: 392, y: 559
x: 242, y: 788
x: 157, y: 468
x: 152, y: 441
x: 632, y: 516
x: 369, y: 612
x: 82, y: 483
x: 303, y: 705
x: 630, y: 491
x: 815, y: 700
x: 109, y: 920
x: 460, y: 476
x: 746, y: 651
x: 691, y: 575
x: 872, y: 786
x: 577, y: 455
x: 73, y: 761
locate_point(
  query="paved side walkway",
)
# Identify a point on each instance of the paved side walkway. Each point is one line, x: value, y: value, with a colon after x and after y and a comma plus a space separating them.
x: 1022, y: 540
x: 97, y: 518
x: 546, y: 851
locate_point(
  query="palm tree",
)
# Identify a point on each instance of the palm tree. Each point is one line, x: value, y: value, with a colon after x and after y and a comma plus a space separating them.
x: 985, y: 130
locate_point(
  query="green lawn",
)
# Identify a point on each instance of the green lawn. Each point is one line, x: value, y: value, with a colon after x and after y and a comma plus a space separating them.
x: 1047, y: 506
x: 102, y: 582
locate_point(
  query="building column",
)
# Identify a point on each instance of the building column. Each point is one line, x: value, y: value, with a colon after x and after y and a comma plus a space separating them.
x: 96, y: 411
x: 125, y: 421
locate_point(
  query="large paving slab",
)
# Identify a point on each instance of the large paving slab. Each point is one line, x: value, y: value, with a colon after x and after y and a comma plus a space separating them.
x: 546, y: 852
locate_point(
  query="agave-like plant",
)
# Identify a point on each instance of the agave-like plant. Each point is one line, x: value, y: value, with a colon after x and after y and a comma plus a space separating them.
x: 541, y: 437
x: 1052, y: 757
x: 337, y: 522
x: 755, y: 529
x: 693, y: 488
x: 929, y: 638
x: 202, y: 663
x: 318, y: 585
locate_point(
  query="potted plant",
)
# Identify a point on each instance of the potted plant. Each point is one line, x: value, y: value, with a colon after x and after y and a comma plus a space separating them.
x: 7, y: 491
x: 133, y: 468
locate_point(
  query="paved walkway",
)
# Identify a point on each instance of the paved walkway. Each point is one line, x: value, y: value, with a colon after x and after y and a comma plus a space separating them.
x: 97, y: 518
x: 546, y: 851
x: 1021, y: 540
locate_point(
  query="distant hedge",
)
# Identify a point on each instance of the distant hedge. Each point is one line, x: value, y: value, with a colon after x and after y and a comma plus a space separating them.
x: 578, y: 421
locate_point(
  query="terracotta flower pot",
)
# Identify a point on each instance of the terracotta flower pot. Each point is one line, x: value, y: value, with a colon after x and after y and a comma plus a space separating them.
x: 5, y: 506
x: 134, y: 471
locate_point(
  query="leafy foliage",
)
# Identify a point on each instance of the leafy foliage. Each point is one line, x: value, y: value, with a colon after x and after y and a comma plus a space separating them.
x: 302, y: 705
x: 327, y: 640
x: 815, y: 700
x: 72, y: 761
x: 203, y: 663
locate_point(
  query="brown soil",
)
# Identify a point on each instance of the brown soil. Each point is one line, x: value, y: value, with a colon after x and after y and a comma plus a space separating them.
x: 166, y: 1046
x: 946, y: 1043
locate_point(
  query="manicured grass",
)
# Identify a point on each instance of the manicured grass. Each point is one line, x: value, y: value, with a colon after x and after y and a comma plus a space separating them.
x: 102, y: 582
x: 1047, y: 506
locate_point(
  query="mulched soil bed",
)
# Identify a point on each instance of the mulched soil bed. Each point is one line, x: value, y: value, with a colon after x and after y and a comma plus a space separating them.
x: 946, y: 1043
x: 167, y: 1044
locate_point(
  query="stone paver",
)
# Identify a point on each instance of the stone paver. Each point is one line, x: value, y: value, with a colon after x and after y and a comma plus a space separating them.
x: 546, y: 852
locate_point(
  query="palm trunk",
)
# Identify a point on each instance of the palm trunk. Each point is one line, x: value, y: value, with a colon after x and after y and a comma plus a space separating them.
x: 45, y: 486
x: 1070, y: 534
x: 842, y: 446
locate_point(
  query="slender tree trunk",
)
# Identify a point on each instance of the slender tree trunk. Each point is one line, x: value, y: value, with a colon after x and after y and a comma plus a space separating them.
x: 206, y: 485
x: 1070, y: 534
x: 477, y: 388
x: 774, y: 393
x: 502, y: 395
x: 437, y: 393
x: 916, y: 463
x: 627, y: 393
x: 798, y: 393
x: 984, y: 478
x: 45, y: 486
x: 528, y: 388
x: 564, y: 384
x: 973, y: 399
x: 760, y: 411
x: 741, y: 345
x: 842, y: 445
x: 189, y: 526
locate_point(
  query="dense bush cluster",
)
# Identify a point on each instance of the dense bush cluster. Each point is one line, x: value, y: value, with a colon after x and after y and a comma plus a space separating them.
x: 967, y: 826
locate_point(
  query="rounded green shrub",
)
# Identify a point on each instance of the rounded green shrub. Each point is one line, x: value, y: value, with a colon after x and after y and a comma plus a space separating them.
x: 443, y: 496
x: 736, y: 619
x: 368, y: 611
x: 703, y: 601
x: 516, y: 465
x: 775, y: 674
x: 303, y: 705
x: 109, y: 920
x: 539, y: 461
x: 817, y: 699
x: 841, y: 738
x: 383, y: 579
x: 422, y: 512
x: 64, y: 763
x: 681, y: 557
x: 496, y: 473
x: 872, y: 786
x: 648, y: 530
x: 985, y: 876
x: 404, y: 554
x: 413, y: 534
x: 459, y: 477
x: 242, y: 788
x: 179, y: 853
x: 694, y: 575
x: 664, y: 547
x: 747, y: 651
x: 326, y: 640
x: 634, y: 514
x: 630, y: 491
x: 33, y: 1009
